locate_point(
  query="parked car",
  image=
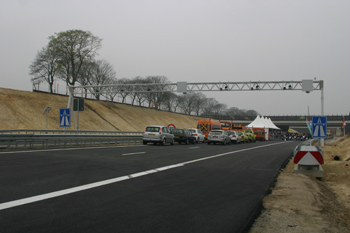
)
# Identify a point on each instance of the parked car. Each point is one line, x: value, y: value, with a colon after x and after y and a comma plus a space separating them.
x: 244, y: 137
x: 157, y: 134
x: 251, y: 135
x: 198, y: 134
x: 219, y: 136
x: 183, y: 136
x: 234, y: 136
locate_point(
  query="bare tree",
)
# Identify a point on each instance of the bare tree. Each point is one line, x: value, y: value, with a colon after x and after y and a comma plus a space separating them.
x: 123, y: 90
x: 111, y: 91
x: 45, y: 66
x: 170, y: 101
x: 188, y: 102
x: 209, y: 105
x: 199, y: 103
x: 137, y: 95
x: 233, y: 111
x: 102, y: 74
x: 156, y: 98
x: 85, y: 74
x: 252, y: 113
x: 219, y: 109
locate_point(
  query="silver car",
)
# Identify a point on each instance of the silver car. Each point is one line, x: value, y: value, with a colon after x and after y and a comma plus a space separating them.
x: 219, y: 136
x: 158, y: 134
x: 234, y: 136
x: 197, y: 133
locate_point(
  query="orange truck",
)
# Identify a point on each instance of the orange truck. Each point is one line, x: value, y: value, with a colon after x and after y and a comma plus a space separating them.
x: 260, y: 133
x: 226, y: 125
x: 239, y: 127
x: 208, y: 125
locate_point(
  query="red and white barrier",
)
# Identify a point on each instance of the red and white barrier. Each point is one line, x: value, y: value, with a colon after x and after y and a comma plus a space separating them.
x: 308, y: 160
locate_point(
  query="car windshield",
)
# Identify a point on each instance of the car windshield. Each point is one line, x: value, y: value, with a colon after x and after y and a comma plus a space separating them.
x: 240, y: 133
x: 230, y: 133
x: 152, y: 129
x: 177, y: 131
x: 192, y: 130
x: 248, y: 131
x: 215, y: 132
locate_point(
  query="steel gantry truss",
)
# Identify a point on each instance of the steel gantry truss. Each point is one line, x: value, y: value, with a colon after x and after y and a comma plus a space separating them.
x: 193, y: 87
x: 184, y: 87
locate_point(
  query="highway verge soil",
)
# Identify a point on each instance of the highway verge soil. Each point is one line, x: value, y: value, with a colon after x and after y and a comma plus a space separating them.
x: 24, y: 110
x: 302, y: 203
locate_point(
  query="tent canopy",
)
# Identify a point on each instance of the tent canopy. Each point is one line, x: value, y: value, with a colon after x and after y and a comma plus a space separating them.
x: 261, y: 122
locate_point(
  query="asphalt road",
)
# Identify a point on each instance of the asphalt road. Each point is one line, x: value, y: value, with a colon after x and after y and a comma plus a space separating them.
x: 153, y: 188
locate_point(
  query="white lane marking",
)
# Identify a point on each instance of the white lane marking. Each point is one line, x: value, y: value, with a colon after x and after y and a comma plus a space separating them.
x: 135, y: 153
x: 227, y: 153
x: 169, y: 167
x: 42, y: 197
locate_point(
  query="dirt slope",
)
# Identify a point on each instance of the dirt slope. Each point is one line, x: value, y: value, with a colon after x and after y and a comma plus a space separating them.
x: 24, y: 110
x: 301, y: 203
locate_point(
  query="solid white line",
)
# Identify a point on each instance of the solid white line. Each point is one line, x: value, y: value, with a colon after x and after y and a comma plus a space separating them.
x: 169, y: 167
x: 42, y: 197
x: 135, y: 153
x: 227, y: 153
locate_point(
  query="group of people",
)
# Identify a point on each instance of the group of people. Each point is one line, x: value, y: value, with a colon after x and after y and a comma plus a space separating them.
x: 295, y: 136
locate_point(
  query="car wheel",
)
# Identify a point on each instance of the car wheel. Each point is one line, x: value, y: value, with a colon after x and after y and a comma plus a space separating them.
x: 172, y: 142
x: 163, y: 142
x: 208, y: 143
x: 144, y: 143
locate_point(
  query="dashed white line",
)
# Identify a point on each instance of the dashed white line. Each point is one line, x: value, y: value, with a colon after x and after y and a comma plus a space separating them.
x: 135, y: 153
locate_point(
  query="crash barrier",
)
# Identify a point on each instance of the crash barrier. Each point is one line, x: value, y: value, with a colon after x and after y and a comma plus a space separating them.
x: 61, y: 131
x: 308, y: 159
x: 40, y: 141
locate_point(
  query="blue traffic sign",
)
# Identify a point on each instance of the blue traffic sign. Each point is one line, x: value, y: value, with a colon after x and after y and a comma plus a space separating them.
x: 319, y: 127
x: 64, y: 117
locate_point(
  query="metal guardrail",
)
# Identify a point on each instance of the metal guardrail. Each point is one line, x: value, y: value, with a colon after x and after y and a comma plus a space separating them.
x: 12, y: 139
x: 47, y: 131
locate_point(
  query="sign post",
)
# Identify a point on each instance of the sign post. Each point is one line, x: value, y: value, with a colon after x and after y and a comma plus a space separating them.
x: 78, y: 105
x: 46, y: 111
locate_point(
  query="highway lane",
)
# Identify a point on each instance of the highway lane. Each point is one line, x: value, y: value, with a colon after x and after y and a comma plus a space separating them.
x: 214, y: 188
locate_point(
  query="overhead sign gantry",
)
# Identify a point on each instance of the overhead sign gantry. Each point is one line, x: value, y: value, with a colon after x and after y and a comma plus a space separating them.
x: 307, y: 85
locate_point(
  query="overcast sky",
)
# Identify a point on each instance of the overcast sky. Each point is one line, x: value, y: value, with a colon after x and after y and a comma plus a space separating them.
x: 198, y: 41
